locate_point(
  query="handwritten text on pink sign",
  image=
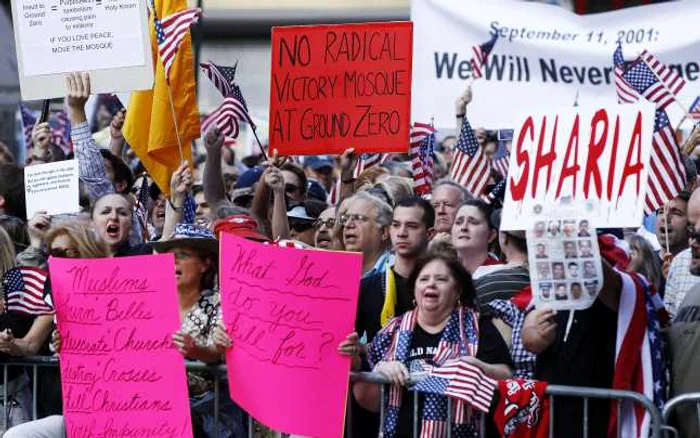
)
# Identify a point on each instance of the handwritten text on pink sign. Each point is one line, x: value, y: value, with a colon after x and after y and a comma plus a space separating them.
x: 286, y: 311
x: 120, y: 372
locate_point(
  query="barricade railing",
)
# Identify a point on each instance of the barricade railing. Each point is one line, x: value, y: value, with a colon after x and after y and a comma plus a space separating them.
x: 672, y: 405
x: 586, y: 394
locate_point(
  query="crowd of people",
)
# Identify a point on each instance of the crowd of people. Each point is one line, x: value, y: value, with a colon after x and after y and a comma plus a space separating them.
x: 440, y: 279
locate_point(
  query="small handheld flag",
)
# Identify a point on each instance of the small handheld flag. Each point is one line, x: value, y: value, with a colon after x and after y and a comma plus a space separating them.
x: 24, y: 291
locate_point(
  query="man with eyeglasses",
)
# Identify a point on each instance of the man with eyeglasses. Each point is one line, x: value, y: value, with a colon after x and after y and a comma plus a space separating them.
x: 684, y: 335
x: 323, y: 239
x: 366, y: 230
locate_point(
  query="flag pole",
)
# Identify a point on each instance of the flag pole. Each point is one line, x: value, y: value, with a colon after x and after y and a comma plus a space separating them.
x: 177, y: 130
x: 262, y: 150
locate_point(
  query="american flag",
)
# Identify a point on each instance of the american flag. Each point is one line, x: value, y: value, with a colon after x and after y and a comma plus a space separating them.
x: 189, y: 210
x: 224, y: 118
x: 501, y: 159
x: 666, y: 173
x: 470, y: 167
x: 639, y: 361
x: 694, y: 109
x: 670, y: 78
x: 481, y: 53
x: 232, y: 110
x: 60, y: 130
x: 459, y: 379
x: 625, y: 91
x: 221, y: 76
x: 644, y: 81
x: 365, y: 161
x: 170, y: 32
x: 497, y: 194
x: 28, y: 122
x: 24, y: 291
x: 422, y: 154
x: 334, y: 195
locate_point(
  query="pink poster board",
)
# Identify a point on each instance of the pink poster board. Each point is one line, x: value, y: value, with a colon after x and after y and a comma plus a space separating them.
x: 286, y: 311
x: 121, y: 375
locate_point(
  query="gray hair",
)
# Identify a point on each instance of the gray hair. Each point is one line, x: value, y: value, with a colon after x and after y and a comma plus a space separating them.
x: 384, y: 212
x: 463, y: 192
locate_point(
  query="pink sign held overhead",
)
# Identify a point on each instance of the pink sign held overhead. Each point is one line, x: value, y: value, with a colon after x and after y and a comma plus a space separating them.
x: 287, y: 310
x: 121, y: 375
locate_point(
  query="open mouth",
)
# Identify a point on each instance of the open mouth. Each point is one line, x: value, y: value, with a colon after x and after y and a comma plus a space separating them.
x: 350, y: 238
x: 178, y: 273
x: 431, y: 296
x: 113, y: 231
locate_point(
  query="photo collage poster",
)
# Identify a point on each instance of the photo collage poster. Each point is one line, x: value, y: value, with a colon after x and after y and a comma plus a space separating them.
x: 565, y: 264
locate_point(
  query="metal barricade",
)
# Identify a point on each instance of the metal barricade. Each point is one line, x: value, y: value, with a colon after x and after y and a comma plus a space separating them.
x: 552, y: 391
x: 676, y: 402
x: 597, y: 393
x: 35, y: 363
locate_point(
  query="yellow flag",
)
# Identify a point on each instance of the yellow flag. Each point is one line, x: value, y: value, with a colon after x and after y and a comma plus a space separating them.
x: 149, y: 127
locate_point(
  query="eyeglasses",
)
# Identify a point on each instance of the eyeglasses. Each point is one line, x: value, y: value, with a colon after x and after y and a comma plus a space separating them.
x: 290, y: 188
x: 693, y: 234
x: 329, y: 223
x: 69, y: 253
x: 359, y: 218
x: 300, y: 227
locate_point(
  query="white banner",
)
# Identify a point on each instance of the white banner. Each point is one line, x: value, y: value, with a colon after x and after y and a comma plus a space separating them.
x: 577, y: 163
x: 544, y: 54
x: 110, y: 38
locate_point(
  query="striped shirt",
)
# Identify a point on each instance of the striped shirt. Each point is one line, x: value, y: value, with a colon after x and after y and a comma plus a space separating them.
x: 679, y: 281
x: 501, y: 284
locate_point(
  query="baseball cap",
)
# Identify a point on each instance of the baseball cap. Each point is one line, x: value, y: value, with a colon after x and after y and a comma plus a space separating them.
x: 248, y: 178
x: 314, y: 190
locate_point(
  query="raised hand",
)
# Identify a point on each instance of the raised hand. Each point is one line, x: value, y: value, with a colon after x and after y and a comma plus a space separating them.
x: 77, y: 93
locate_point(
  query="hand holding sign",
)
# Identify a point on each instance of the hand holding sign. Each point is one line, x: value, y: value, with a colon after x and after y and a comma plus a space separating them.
x: 335, y: 87
x: 286, y: 311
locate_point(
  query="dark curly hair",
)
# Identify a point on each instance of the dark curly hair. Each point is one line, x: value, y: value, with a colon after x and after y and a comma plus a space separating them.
x: 467, y: 293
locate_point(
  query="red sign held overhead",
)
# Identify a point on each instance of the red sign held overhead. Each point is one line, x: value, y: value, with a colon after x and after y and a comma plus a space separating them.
x: 335, y: 87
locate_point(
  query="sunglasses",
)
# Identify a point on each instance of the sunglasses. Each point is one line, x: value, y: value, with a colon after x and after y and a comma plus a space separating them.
x: 290, y: 188
x: 328, y: 223
x: 300, y: 227
x: 69, y: 253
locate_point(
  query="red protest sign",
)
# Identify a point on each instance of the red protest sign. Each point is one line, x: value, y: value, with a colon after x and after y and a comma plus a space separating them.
x: 335, y: 87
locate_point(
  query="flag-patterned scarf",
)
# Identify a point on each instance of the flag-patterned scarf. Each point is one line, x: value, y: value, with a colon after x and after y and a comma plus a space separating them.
x: 459, y: 338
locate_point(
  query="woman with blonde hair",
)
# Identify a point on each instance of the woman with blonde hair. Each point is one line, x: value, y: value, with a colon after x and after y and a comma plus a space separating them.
x: 72, y: 239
